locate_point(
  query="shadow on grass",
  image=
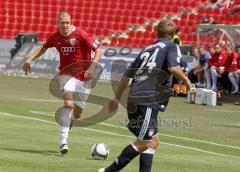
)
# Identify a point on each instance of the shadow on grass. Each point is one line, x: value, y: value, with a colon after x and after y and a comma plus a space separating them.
x: 43, y: 152
x: 92, y: 159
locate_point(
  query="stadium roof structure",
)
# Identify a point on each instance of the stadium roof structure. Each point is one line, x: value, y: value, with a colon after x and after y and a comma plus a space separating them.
x: 220, y: 32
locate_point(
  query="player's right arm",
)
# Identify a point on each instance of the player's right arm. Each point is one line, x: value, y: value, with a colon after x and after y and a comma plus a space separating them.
x: 130, y: 72
x: 38, y: 53
x: 113, y: 104
x: 35, y: 55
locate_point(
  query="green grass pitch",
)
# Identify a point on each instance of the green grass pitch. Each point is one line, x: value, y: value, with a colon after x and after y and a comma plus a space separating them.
x: 194, y: 138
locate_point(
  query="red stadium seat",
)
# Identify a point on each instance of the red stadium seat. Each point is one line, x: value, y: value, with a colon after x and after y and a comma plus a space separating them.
x: 114, y: 41
x: 25, y: 15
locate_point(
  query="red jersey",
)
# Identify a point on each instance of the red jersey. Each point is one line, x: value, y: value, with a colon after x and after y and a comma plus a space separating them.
x: 231, y: 62
x: 221, y: 58
x: 213, y: 60
x: 75, y: 51
x: 238, y: 61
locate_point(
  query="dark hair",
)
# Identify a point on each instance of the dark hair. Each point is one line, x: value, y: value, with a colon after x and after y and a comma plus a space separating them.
x: 177, y: 30
x: 166, y: 28
x: 237, y: 47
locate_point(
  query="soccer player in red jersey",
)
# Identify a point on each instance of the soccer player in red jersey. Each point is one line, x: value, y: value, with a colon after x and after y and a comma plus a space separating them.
x: 231, y: 67
x: 74, y: 46
x: 211, y: 62
x: 238, y: 51
x: 218, y: 67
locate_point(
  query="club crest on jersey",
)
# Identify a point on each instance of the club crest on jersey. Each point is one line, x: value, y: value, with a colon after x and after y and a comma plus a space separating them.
x: 73, y: 41
x: 150, y: 132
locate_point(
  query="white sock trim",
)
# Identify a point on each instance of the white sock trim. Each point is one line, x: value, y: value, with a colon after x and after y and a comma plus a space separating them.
x: 135, y: 147
x: 149, y: 151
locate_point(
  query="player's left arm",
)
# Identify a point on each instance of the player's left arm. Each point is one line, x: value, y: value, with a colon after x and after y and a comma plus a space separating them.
x: 173, y: 62
x: 89, y: 73
x: 95, y: 45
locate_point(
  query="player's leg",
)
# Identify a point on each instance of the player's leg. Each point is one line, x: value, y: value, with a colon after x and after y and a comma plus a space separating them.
x: 144, y: 131
x: 65, y: 112
x: 146, y: 157
x: 146, y: 149
x: 208, y: 77
x: 77, y: 112
x: 214, y: 76
x: 80, y: 98
x: 199, y: 77
x: 234, y: 80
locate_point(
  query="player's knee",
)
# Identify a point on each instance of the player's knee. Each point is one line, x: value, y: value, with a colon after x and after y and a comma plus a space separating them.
x: 77, y: 112
x: 154, y: 143
x: 68, y: 104
x: 68, y: 107
x: 141, y: 145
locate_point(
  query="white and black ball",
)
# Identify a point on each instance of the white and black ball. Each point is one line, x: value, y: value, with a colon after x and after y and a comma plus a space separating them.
x: 100, y: 151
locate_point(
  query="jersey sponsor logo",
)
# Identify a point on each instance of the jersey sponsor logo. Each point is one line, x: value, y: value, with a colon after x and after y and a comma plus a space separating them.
x: 150, y: 132
x: 72, y: 41
x: 96, y: 43
x: 68, y: 49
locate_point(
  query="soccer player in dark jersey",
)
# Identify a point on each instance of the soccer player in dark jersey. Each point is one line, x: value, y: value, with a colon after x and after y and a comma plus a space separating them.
x: 153, y: 66
x: 74, y: 46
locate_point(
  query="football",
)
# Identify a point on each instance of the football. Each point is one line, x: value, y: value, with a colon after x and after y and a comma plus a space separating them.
x: 100, y: 151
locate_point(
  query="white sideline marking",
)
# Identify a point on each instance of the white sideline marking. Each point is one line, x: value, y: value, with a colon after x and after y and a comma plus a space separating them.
x: 202, y: 141
x: 26, y: 117
x: 166, y: 135
x: 229, y: 124
x: 42, y: 100
x: 200, y: 150
x: 219, y: 110
x: 116, y: 134
x: 183, y: 138
x: 42, y: 113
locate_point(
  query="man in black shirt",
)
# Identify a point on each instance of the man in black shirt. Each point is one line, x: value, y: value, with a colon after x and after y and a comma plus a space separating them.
x: 149, y: 93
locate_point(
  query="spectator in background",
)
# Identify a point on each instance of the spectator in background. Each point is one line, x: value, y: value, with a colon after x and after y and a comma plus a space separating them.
x: 238, y: 71
x: 191, y: 69
x: 238, y: 52
x: 230, y: 69
x: 202, y: 66
x: 221, y: 4
x: 176, y: 38
x: 212, y: 60
x: 235, y: 10
x: 208, y: 20
x: 212, y: 20
x: 205, y: 20
x: 217, y: 68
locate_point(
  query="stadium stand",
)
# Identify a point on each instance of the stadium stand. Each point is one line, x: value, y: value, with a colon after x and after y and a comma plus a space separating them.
x: 120, y: 23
